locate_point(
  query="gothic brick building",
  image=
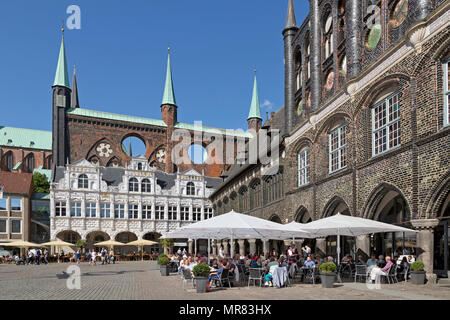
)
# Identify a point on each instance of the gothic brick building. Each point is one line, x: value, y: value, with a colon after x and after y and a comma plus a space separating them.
x: 366, y: 126
x: 98, y: 136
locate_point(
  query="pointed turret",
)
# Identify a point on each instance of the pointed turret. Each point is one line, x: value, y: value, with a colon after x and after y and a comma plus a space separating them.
x: 62, y: 74
x: 254, y: 119
x: 129, y: 149
x: 74, y: 102
x: 61, y: 101
x: 169, y: 94
x: 291, y: 22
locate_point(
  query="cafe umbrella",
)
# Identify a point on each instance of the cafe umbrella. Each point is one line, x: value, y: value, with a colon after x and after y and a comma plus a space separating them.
x: 141, y: 243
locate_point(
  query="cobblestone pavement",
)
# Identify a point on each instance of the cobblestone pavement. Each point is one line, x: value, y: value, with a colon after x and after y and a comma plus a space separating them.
x: 142, y: 280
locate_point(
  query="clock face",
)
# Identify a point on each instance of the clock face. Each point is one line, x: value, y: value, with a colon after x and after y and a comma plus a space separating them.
x: 400, y: 13
x: 161, y: 155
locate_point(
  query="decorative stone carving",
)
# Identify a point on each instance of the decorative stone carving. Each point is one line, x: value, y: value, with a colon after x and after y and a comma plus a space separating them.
x: 416, y: 37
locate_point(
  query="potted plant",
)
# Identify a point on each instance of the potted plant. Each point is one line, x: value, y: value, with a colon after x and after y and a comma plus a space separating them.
x: 163, y: 262
x: 201, y: 273
x: 417, y: 272
x: 327, y: 274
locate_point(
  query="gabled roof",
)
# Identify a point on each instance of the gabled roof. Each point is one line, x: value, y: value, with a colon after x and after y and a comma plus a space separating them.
x: 25, y: 138
x: 16, y: 183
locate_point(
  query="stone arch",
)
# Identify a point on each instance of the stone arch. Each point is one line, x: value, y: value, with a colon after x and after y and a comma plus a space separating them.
x: 68, y: 236
x: 302, y: 143
x: 126, y: 237
x: 114, y: 162
x: 440, y: 50
x: 332, y: 121
x: 378, y: 199
x: 92, y: 237
x: 368, y: 99
x: 8, y: 161
x: 275, y: 218
x: 138, y: 136
x: 302, y: 215
x: 93, y: 150
x: 335, y: 205
x: 436, y: 198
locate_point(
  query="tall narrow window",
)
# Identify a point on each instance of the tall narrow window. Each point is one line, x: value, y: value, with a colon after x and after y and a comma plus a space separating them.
x: 184, y: 213
x: 303, y: 167
x: 447, y: 93
x: 60, y: 209
x: 83, y: 182
x: 75, y: 209
x: 91, y: 210
x: 133, y: 211
x: 159, y: 213
x: 190, y: 189
x: 9, y: 161
x: 146, y: 186
x: 386, y: 125
x: 328, y: 36
x: 338, y: 149
x: 172, y: 213
x: 133, y: 185
x: 146, y: 212
x: 30, y: 162
x: 119, y: 211
x: 105, y: 210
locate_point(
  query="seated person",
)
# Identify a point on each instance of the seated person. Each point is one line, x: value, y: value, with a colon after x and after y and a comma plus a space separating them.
x: 231, y: 266
x: 214, y: 264
x: 309, y: 263
x: 271, y: 266
x: 381, y: 263
x: 377, y: 271
x: 215, y: 275
x: 257, y: 263
x: 372, y: 261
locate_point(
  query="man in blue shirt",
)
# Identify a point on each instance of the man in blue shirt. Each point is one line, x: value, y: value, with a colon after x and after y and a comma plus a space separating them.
x: 309, y: 263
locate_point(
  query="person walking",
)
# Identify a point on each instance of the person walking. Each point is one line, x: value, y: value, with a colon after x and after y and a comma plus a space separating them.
x: 103, y: 254
x: 38, y: 256
x: 93, y: 257
x: 78, y: 256
x: 111, y: 257
x: 46, y: 256
x: 30, y: 257
x: 89, y: 257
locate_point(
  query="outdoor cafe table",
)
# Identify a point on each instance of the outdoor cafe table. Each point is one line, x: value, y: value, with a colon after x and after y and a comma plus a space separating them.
x: 280, y: 277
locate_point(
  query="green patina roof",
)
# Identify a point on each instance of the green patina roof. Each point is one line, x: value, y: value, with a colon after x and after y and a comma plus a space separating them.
x: 62, y: 74
x: 114, y: 116
x: 46, y: 172
x: 169, y: 94
x: 255, y: 111
x: 25, y: 138
x: 212, y: 130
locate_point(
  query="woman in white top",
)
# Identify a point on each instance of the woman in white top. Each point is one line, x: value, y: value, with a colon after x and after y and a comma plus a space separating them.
x: 93, y: 256
x: 221, y: 252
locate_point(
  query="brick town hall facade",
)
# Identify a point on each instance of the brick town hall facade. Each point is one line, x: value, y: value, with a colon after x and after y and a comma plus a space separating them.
x: 366, y: 128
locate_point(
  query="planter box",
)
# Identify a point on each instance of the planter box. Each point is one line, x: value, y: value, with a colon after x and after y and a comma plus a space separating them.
x: 418, y: 277
x: 327, y: 279
x: 200, y: 283
x: 164, y: 270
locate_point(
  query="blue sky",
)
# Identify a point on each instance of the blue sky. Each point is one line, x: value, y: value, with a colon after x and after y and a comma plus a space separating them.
x: 121, y: 54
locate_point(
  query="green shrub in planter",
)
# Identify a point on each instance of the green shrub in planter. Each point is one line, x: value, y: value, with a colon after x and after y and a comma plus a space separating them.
x: 327, y: 274
x: 417, y: 272
x: 328, y: 267
x: 417, y: 266
x: 201, y: 270
x: 163, y: 260
x: 201, y: 273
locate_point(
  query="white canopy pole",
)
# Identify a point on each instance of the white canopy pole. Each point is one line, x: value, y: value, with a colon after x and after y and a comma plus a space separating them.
x: 338, y: 250
x: 232, y: 246
x: 264, y: 247
x: 209, y: 250
x: 195, y: 244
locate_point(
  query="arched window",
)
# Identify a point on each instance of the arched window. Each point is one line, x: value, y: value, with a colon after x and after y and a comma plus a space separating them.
x: 30, y: 162
x: 298, y: 66
x: 307, y: 58
x: 303, y: 167
x: 190, y: 189
x: 48, y: 162
x: 255, y: 194
x: 133, y: 185
x: 9, y: 161
x: 328, y: 36
x: 139, y: 166
x: 146, y: 186
x: 386, y: 124
x: 83, y: 182
x: 243, y: 199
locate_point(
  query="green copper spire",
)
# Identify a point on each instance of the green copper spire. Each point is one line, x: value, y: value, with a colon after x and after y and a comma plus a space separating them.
x: 62, y: 74
x: 255, y: 111
x: 169, y: 95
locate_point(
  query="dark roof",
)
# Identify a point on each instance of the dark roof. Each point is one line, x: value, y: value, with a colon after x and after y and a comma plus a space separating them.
x: 113, y: 177
x: 17, y: 183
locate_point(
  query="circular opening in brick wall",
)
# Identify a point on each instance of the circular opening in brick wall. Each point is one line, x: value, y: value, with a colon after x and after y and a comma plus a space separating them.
x: 133, y: 146
x: 197, y: 154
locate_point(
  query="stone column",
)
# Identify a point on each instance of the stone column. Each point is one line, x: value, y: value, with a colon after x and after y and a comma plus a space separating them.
x: 363, y: 246
x: 225, y: 247
x: 266, y: 246
x: 215, y: 247
x: 425, y: 244
x: 353, y: 37
x: 241, y: 247
x: 252, y: 243
x: 315, y: 53
x: 321, y: 246
x: 232, y: 247
x: 191, y: 246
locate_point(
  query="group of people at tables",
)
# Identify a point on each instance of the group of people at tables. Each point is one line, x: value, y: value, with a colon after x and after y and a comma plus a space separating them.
x: 304, y: 259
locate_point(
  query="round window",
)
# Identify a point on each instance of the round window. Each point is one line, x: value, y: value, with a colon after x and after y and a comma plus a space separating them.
x: 197, y: 154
